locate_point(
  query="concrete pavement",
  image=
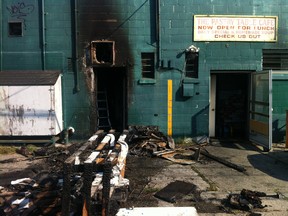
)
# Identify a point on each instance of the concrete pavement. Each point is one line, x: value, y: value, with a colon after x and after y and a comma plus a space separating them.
x: 265, y: 172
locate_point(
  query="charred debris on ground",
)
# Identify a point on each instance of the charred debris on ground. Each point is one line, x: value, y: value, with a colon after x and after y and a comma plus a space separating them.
x: 89, y: 177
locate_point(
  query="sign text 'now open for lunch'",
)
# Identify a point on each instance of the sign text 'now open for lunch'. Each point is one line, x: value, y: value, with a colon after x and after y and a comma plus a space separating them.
x: 235, y: 28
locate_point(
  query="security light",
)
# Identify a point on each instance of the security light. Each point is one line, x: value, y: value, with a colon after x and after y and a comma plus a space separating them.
x: 192, y: 49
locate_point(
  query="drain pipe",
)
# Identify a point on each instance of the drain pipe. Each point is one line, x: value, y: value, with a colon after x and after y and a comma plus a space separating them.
x: 158, y: 32
x: 43, y: 29
x: 75, y: 46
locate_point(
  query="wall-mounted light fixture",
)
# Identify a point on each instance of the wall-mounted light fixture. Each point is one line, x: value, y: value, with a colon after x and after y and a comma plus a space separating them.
x: 192, y: 61
x: 193, y: 49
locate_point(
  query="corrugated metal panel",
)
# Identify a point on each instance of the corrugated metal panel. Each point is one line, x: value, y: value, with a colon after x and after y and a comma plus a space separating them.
x: 33, y: 77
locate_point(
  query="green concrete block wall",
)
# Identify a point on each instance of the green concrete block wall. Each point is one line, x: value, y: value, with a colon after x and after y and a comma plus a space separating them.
x: 191, y: 115
x: 134, y: 24
x: 280, y: 106
x: 25, y: 53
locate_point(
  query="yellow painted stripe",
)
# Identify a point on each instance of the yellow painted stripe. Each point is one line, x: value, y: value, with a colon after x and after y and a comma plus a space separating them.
x: 169, y: 108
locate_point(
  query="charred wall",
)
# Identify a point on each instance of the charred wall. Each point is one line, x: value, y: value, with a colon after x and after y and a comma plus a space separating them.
x: 102, y: 20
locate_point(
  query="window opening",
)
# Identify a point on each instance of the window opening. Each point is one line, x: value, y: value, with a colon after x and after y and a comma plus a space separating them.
x: 275, y: 59
x: 15, y: 28
x: 191, y: 64
x: 148, y: 68
x: 102, y: 52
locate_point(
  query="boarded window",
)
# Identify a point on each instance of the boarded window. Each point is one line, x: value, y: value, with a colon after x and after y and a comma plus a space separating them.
x: 275, y: 59
x: 191, y: 66
x: 15, y: 28
x: 148, y: 68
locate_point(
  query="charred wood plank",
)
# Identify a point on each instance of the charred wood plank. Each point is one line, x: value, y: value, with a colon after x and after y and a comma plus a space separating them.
x: 163, y: 152
x: 106, y: 188
x: 85, y: 146
x: 68, y: 170
x: 88, y: 178
x: 88, y: 171
x: 7, y: 193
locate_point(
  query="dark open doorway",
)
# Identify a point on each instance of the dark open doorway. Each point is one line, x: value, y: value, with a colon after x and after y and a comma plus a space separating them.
x: 112, y: 81
x: 232, y: 93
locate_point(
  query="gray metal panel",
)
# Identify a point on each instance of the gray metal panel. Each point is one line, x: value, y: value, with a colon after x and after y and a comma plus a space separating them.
x: 29, y: 77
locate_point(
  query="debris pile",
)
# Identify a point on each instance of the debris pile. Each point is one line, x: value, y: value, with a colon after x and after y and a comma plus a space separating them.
x: 39, y: 196
x: 246, y: 200
x: 148, y: 141
x: 88, y: 179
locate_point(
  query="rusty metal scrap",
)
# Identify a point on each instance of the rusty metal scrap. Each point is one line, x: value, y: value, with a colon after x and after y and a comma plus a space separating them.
x: 246, y: 200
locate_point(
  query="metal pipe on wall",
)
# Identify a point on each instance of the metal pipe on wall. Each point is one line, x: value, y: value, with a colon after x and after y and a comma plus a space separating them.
x: 158, y: 34
x: 75, y: 46
x: 43, y: 31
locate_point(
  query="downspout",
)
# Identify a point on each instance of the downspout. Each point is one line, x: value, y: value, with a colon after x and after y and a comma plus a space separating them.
x: 158, y: 34
x: 43, y: 31
x: 75, y: 58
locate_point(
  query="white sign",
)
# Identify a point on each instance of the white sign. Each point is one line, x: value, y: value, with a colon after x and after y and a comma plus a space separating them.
x: 235, y: 28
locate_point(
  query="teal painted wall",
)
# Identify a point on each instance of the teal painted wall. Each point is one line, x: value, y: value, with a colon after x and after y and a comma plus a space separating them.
x: 26, y: 52
x: 280, y: 107
x: 131, y: 24
x: 191, y: 115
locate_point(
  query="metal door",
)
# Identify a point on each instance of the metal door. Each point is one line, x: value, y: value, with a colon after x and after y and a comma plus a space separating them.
x: 260, y: 124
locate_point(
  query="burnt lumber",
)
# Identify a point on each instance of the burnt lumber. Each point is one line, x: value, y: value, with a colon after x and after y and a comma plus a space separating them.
x: 70, y: 165
x: 79, y: 179
x: 101, y: 178
x: 33, y: 198
x: 148, y: 141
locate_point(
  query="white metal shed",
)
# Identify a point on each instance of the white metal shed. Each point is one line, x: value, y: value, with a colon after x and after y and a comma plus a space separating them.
x: 30, y: 103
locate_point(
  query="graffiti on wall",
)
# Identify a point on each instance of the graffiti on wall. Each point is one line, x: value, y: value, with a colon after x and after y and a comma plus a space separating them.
x: 20, y: 10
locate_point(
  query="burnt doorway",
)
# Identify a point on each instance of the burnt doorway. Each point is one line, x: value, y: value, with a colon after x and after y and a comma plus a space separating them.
x: 231, y: 113
x: 112, y: 81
